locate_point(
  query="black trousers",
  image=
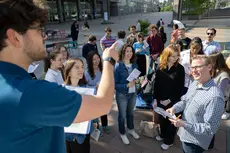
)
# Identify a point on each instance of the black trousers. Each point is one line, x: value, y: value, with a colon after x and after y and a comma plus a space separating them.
x: 141, y: 62
x: 168, y: 130
x: 75, y: 147
x: 104, y: 120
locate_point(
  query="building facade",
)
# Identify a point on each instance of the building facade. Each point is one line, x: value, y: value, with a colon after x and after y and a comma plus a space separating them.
x: 67, y: 10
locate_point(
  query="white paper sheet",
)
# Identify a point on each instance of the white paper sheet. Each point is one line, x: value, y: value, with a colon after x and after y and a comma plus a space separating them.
x: 134, y: 75
x: 79, y: 128
x: 95, y: 134
x: 83, y: 127
x: 165, y: 114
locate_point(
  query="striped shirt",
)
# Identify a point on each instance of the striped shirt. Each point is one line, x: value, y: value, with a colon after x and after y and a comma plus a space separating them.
x: 202, y: 108
x: 107, y: 42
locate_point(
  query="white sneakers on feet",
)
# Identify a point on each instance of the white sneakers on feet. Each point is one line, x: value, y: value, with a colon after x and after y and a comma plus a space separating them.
x: 134, y: 134
x: 165, y: 146
x: 158, y: 138
x: 124, y: 139
x: 225, y: 116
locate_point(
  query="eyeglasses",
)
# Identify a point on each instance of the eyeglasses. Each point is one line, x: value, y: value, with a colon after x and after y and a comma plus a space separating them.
x: 210, y: 34
x: 197, y: 67
x: 41, y: 29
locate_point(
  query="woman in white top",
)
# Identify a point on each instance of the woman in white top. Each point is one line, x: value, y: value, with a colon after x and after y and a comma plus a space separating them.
x: 85, y: 29
x: 53, y: 65
x: 186, y: 56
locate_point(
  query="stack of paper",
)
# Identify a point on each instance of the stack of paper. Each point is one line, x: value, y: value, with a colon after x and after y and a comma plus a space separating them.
x: 83, y: 127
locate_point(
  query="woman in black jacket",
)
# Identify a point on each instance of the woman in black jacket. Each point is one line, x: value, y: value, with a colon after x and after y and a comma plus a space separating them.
x: 168, y: 88
x: 75, y: 30
x: 162, y: 34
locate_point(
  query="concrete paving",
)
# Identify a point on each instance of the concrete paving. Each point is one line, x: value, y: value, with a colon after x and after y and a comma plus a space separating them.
x: 111, y: 143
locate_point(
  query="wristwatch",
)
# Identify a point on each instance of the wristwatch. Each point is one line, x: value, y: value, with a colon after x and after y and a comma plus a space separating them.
x: 110, y: 59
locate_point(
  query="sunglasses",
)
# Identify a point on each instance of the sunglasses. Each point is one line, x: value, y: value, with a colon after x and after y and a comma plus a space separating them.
x: 211, y: 34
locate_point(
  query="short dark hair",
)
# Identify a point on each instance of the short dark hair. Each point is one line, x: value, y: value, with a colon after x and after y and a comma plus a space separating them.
x: 213, y: 29
x: 140, y: 35
x: 133, y: 26
x: 108, y: 29
x: 19, y: 15
x: 176, y: 26
x: 121, y: 34
x: 122, y: 53
x: 92, y: 38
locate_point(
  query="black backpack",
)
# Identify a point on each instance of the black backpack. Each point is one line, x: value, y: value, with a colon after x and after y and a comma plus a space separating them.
x: 148, y: 90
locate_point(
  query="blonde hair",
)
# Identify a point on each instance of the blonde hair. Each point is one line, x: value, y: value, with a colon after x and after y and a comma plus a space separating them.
x: 206, y: 59
x: 167, y: 52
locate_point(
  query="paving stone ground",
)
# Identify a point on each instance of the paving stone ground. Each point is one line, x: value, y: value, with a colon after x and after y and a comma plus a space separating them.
x: 111, y: 143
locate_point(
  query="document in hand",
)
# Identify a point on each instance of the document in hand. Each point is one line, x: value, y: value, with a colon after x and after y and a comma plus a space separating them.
x: 83, y: 127
x: 33, y: 68
x: 165, y: 114
x: 133, y: 75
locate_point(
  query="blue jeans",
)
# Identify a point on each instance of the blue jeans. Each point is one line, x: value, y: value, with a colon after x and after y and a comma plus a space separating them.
x: 191, y: 148
x: 125, y: 104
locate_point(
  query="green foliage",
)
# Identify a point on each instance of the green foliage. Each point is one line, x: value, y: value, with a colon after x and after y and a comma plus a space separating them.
x: 144, y: 26
x: 197, y: 11
x: 167, y: 8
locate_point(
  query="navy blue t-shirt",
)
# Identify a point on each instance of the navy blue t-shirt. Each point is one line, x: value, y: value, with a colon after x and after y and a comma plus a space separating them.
x: 33, y: 112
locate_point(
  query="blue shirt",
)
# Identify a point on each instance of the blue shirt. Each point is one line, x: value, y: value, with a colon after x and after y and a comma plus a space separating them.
x: 93, y: 82
x: 137, y: 46
x: 202, y: 108
x: 33, y: 112
x: 121, y: 73
x: 211, y: 47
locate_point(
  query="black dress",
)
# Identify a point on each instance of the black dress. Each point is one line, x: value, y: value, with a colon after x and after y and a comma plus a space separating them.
x: 169, y: 84
x: 74, y: 31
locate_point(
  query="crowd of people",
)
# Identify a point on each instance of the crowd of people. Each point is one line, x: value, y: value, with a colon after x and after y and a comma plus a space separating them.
x: 191, y: 80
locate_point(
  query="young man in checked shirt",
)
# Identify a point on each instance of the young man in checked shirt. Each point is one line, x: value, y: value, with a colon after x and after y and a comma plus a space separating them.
x: 202, y: 108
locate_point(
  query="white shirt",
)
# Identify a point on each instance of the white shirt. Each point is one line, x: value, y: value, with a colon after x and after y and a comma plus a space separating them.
x: 185, y: 62
x: 138, y: 27
x: 54, y: 76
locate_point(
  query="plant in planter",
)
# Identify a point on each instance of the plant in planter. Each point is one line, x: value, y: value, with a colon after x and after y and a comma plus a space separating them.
x: 144, y: 26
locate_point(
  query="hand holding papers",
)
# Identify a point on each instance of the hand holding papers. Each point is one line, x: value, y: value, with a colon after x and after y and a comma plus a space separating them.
x: 164, y: 113
x: 134, y: 75
x: 83, y: 127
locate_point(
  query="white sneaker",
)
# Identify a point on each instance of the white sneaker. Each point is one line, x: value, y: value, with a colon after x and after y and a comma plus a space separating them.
x: 158, y: 138
x: 134, y: 134
x: 225, y: 116
x: 165, y: 146
x: 124, y: 139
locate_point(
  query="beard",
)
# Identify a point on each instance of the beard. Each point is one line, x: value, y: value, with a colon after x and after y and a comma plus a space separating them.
x: 35, y: 53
